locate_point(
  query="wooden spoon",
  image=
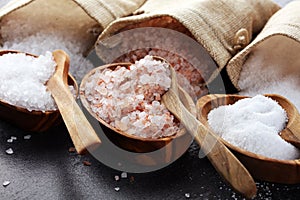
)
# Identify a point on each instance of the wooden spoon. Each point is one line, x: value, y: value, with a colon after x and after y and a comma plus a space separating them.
x: 82, y: 133
x: 227, y: 165
x: 260, y: 167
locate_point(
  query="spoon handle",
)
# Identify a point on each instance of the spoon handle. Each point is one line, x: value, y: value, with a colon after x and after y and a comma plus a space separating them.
x: 81, y: 132
x: 227, y: 165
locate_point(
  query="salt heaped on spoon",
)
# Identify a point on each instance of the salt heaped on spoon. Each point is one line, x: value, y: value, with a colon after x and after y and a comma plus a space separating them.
x: 254, y: 124
x: 23, y: 79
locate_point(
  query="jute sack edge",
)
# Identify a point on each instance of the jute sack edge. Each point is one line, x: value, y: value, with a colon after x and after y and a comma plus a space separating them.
x: 86, y: 5
x: 279, y: 24
x: 218, y: 46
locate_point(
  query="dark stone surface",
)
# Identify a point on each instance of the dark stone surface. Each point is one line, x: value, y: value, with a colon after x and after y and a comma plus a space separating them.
x: 43, y: 168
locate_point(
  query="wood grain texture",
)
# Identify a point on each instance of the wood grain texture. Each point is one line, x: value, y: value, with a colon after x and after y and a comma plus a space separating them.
x: 263, y: 168
x: 227, y: 165
x: 82, y: 133
x: 33, y: 121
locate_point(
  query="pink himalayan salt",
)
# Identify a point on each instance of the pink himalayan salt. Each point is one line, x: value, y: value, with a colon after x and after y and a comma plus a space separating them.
x: 128, y: 99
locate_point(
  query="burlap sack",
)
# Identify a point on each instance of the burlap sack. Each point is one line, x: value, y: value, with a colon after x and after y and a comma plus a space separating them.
x: 83, y: 19
x: 222, y: 27
x: 277, y: 47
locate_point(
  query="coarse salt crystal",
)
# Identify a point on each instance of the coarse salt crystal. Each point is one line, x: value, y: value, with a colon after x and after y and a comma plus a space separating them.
x: 117, y: 189
x: 254, y: 124
x: 187, y: 195
x: 23, y: 80
x: 117, y: 178
x: 9, y: 151
x: 10, y: 140
x: 13, y: 138
x: 130, y: 104
x: 6, y: 183
x: 124, y: 175
x: 27, y: 137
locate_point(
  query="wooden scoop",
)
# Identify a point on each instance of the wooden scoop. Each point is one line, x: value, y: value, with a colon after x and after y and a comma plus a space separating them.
x: 227, y: 165
x: 80, y: 130
x: 261, y: 167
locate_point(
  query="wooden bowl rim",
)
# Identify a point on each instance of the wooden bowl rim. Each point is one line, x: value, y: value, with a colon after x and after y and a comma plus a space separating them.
x: 34, y: 112
x: 205, y: 100
x: 85, y: 103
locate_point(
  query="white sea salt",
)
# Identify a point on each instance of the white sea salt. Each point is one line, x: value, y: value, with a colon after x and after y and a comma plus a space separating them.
x: 23, y: 79
x: 41, y: 42
x: 124, y: 175
x: 6, y: 183
x: 117, y: 189
x: 10, y: 140
x: 260, y: 76
x: 27, y: 137
x: 131, y: 103
x: 13, y: 137
x: 187, y: 195
x: 254, y: 124
x: 9, y: 151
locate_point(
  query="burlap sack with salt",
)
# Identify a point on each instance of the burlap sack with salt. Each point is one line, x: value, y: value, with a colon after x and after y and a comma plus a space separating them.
x: 73, y: 24
x: 273, y: 55
x: 222, y: 27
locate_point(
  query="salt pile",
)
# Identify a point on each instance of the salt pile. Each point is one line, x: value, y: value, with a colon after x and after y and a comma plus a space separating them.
x: 258, y: 77
x: 23, y: 79
x: 254, y: 124
x: 181, y: 53
x: 41, y: 42
x: 129, y: 99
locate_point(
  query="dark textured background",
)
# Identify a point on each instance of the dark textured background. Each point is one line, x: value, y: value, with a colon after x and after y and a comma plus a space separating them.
x: 42, y: 168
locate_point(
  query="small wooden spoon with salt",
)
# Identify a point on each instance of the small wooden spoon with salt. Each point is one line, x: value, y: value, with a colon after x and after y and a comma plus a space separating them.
x: 82, y: 133
x: 227, y: 165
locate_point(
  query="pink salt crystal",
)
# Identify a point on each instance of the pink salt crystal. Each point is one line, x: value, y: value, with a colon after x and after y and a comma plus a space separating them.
x: 130, y: 97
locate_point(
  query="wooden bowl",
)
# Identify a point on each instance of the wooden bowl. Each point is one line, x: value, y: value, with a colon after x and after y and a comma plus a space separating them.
x: 180, y: 141
x: 34, y: 121
x: 260, y: 167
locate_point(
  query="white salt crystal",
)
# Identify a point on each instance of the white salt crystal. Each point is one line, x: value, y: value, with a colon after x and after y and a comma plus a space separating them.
x: 187, y: 195
x: 10, y: 140
x: 9, y: 151
x: 6, y: 183
x: 27, y: 137
x: 117, y: 189
x: 43, y: 41
x: 254, y: 124
x: 13, y: 138
x: 124, y: 175
x: 23, y: 80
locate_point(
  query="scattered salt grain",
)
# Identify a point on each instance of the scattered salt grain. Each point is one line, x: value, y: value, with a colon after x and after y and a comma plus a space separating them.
x: 130, y: 102
x: 6, y: 183
x: 23, y: 79
x: 124, y: 175
x: 10, y: 140
x: 254, y: 124
x: 117, y: 178
x: 187, y: 195
x: 9, y: 151
x: 27, y: 137
x: 117, y: 189
x: 13, y: 138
